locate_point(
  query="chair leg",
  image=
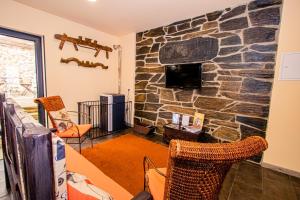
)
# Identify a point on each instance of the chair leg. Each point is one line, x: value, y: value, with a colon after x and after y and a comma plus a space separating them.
x: 91, y: 138
x: 79, y: 145
x: 145, y: 176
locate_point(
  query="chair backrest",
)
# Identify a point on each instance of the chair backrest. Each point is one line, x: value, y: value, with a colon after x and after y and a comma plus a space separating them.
x: 52, y: 103
x: 197, y: 170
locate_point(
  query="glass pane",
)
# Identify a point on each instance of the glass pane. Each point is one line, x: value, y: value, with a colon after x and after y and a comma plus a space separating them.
x: 18, y: 71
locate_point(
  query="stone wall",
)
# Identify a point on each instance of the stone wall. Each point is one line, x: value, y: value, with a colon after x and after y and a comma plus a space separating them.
x: 17, y: 67
x: 237, y: 48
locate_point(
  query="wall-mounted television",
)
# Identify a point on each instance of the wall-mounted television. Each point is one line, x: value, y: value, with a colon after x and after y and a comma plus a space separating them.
x: 183, y: 76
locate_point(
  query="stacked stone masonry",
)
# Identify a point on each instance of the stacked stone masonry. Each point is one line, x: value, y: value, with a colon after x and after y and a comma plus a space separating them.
x: 237, y: 48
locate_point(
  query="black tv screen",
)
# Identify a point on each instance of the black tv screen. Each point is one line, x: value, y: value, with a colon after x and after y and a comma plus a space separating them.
x: 183, y: 76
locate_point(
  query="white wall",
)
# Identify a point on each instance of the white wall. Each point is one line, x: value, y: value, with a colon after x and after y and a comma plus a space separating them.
x: 283, y: 133
x: 71, y: 82
x: 128, y: 67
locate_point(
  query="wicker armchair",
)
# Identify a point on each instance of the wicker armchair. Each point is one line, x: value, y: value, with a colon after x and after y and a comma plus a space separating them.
x: 72, y: 131
x: 197, y: 170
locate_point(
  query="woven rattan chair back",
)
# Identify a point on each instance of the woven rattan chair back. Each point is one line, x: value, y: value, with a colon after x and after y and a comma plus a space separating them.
x: 197, y: 170
x: 52, y: 103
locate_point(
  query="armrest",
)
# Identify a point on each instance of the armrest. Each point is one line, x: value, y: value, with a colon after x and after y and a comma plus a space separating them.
x: 143, y: 196
x: 216, y: 152
x: 53, y: 130
x: 147, y: 163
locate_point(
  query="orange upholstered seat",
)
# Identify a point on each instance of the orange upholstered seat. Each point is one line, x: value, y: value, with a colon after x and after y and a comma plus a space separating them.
x: 77, y: 163
x: 73, y: 132
x: 156, y: 183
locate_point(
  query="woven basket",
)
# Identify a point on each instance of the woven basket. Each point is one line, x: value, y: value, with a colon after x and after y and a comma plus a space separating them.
x: 144, y: 129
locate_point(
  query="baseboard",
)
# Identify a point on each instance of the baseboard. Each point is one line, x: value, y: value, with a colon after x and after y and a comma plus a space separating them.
x: 281, y: 169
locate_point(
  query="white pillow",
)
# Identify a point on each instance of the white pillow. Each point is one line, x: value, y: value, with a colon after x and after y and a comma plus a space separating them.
x: 59, y: 168
x: 79, y: 187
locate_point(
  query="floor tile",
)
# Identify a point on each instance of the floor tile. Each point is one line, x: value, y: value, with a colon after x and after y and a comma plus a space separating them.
x: 250, y: 174
x: 245, y: 191
x: 296, y: 184
x: 235, y: 166
x: 6, y: 197
x: 277, y: 185
x: 1, y: 165
x: 2, y: 179
x: 227, y: 184
x: 295, y: 181
x: 274, y: 175
x: 1, y: 152
x: 277, y: 190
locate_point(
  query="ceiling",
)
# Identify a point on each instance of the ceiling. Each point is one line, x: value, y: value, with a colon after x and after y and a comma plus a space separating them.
x: 119, y: 17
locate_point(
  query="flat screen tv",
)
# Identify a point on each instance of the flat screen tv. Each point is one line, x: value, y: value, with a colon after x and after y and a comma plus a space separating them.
x: 183, y: 76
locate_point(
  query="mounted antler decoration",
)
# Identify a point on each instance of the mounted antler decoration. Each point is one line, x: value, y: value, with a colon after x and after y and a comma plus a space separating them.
x: 85, y: 43
x: 83, y: 63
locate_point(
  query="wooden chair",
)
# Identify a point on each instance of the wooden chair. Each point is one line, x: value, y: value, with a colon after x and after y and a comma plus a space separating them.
x: 54, y: 104
x: 197, y: 170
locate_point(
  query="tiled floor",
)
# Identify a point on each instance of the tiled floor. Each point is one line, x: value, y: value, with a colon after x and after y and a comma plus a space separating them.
x: 251, y: 181
x: 245, y: 181
x: 3, y: 193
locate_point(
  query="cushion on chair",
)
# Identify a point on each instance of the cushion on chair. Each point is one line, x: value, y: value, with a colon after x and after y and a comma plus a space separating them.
x: 61, y: 119
x: 59, y: 167
x: 73, y: 132
x: 79, y: 187
x: 156, y: 183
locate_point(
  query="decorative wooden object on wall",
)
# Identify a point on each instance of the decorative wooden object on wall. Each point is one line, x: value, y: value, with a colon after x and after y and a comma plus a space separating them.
x: 83, y: 63
x: 85, y: 43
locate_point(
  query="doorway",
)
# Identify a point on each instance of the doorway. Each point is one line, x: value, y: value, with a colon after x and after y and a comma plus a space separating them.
x: 22, y: 70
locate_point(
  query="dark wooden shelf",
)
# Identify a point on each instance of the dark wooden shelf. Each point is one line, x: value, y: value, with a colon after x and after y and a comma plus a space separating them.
x: 180, y: 133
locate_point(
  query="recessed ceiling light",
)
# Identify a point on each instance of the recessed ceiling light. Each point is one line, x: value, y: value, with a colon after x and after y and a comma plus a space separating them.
x: 92, y: 0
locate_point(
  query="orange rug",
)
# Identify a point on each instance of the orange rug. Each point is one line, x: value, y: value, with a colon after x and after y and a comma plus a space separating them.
x: 122, y: 159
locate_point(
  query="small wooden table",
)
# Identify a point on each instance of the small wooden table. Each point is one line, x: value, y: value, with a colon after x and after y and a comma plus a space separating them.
x: 178, y: 132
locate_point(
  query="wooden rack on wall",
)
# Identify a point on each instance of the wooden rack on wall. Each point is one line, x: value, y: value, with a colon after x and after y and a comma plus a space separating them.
x: 83, y: 63
x: 85, y: 43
